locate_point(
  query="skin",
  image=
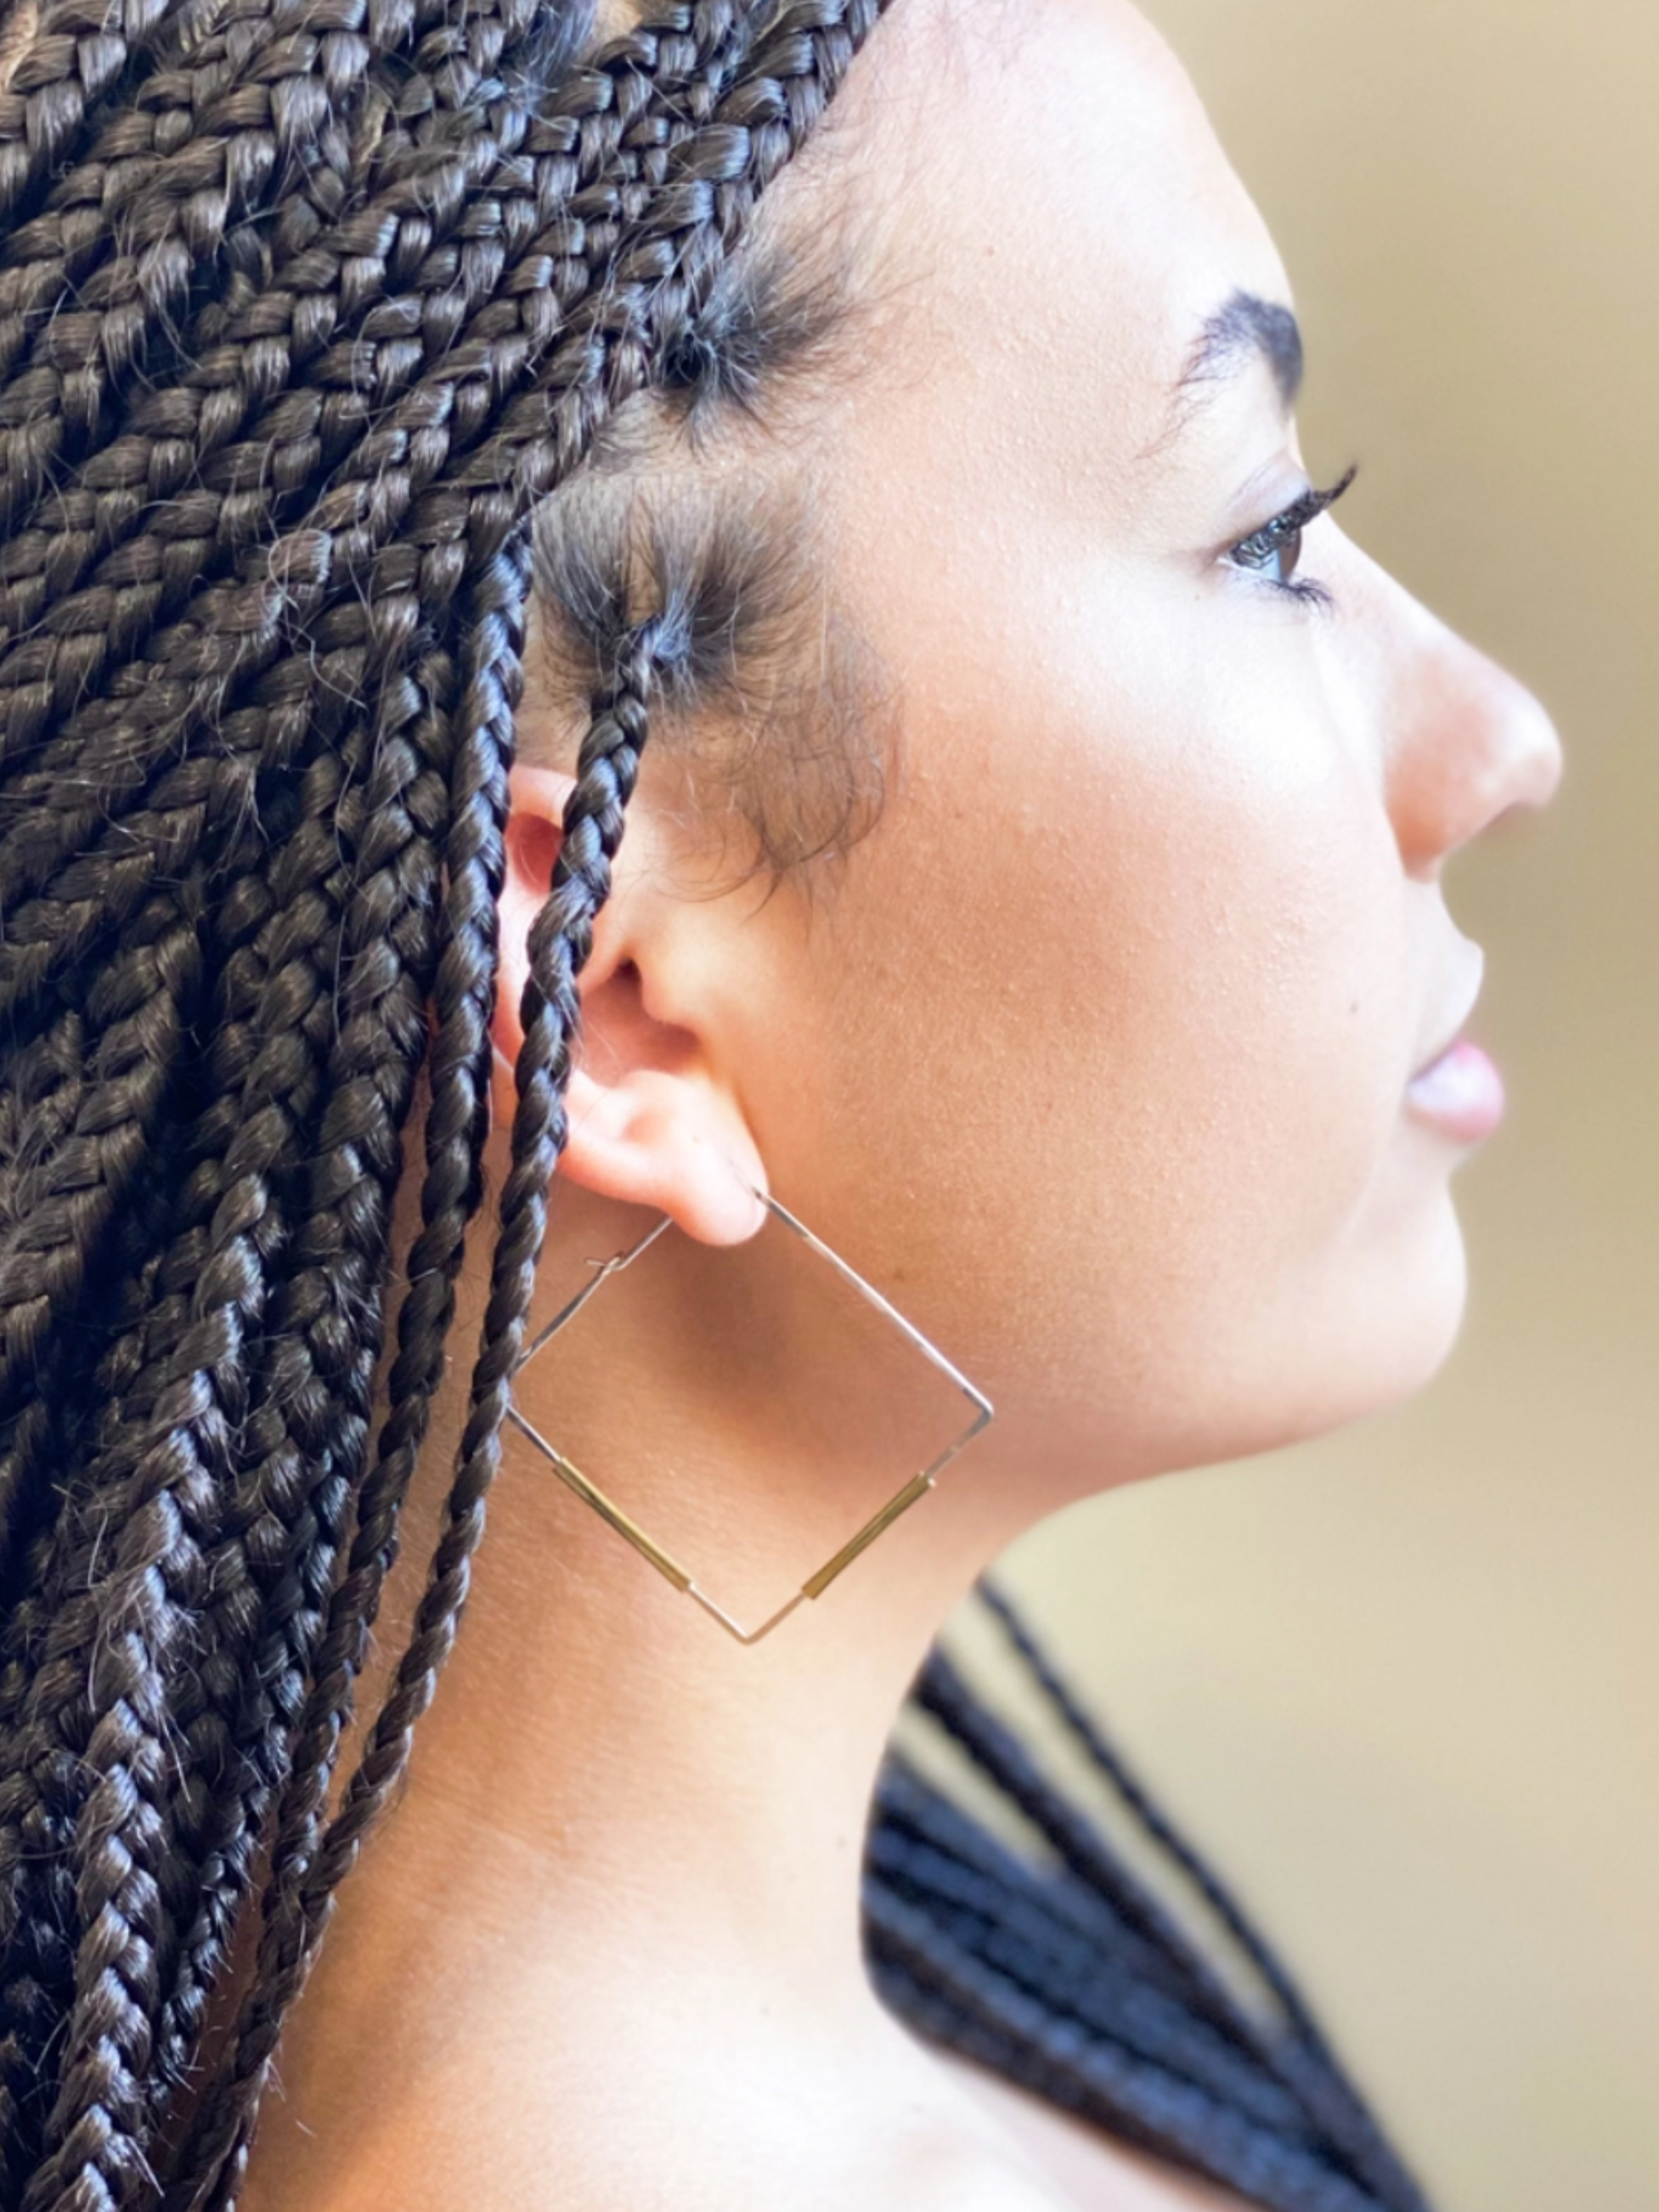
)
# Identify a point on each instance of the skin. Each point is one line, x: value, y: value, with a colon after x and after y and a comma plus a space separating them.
x: 1093, y: 1057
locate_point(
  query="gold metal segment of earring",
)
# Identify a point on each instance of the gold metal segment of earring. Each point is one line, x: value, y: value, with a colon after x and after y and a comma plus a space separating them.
x: 878, y: 1523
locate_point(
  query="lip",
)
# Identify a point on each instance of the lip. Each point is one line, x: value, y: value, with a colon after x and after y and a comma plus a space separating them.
x: 1458, y: 1090
x: 1477, y: 960
x: 1461, y: 1093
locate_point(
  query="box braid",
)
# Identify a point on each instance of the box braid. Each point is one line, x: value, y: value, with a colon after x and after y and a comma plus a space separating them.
x: 415, y: 521
x: 1064, y: 1970
x: 305, y: 307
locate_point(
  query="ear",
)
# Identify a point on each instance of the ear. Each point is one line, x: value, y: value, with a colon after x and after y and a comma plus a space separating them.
x: 654, y: 1120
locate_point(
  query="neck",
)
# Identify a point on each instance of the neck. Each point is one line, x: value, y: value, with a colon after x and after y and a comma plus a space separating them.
x: 615, y: 1813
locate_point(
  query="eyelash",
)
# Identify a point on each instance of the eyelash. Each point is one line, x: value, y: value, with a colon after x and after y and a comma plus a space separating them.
x: 1262, y: 545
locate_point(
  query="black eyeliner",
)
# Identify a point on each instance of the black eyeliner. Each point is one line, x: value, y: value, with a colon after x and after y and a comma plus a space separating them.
x: 1289, y: 523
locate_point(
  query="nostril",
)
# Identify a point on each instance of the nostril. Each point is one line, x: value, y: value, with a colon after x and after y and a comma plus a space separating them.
x: 1480, y: 747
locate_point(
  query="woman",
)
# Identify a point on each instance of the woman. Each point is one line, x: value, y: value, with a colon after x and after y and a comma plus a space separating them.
x: 1032, y: 878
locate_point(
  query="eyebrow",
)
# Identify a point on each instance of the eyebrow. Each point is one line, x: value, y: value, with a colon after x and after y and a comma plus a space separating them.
x: 1244, y: 329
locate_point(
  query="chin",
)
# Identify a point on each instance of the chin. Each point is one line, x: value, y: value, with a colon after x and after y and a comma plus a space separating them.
x: 1389, y: 1334
x: 1351, y: 1344
x: 1432, y: 1318
x: 1357, y: 1335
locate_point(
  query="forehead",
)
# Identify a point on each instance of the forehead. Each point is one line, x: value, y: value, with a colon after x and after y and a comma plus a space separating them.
x: 1058, y: 213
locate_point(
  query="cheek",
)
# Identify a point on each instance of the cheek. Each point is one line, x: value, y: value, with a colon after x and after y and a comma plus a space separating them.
x: 1249, y: 1008
x: 1213, y: 971
x: 1140, y: 1015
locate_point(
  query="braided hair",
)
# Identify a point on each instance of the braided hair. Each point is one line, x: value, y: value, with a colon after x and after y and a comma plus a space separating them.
x: 326, y: 326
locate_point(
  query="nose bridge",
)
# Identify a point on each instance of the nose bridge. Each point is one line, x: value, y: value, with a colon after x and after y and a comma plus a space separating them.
x: 1470, y: 741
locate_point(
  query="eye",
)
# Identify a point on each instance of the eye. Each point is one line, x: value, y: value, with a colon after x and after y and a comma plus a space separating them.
x: 1274, y: 550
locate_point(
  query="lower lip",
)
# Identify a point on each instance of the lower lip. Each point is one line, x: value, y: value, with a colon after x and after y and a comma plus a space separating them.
x: 1461, y: 1093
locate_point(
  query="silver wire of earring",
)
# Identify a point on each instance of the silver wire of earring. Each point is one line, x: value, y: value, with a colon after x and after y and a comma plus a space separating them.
x: 877, y: 1525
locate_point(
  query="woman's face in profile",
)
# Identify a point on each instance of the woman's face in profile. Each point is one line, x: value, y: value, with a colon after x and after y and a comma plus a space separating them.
x: 1099, y: 1053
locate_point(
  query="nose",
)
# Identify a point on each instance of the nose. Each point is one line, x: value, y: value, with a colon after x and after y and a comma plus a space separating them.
x: 1470, y: 743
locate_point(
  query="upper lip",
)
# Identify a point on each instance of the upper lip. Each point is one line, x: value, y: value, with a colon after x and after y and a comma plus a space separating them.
x: 1448, y: 1037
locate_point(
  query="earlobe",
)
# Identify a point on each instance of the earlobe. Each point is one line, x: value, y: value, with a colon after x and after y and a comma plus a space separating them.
x: 668, y: 1142
x: 652, y: 1123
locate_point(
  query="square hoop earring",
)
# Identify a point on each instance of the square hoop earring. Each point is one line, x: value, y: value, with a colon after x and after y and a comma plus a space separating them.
x: 669, y: 1567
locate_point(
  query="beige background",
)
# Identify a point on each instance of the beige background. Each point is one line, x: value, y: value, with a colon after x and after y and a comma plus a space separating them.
x: 1401, y: 1682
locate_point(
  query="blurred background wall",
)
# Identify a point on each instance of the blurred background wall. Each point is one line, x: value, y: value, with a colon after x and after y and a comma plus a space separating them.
x: 1401, y: 1683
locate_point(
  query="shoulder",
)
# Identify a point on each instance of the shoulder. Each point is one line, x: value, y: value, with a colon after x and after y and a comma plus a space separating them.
x: 941, y: 2171
x: 994, y: 2190
x: 1091, y: 2171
